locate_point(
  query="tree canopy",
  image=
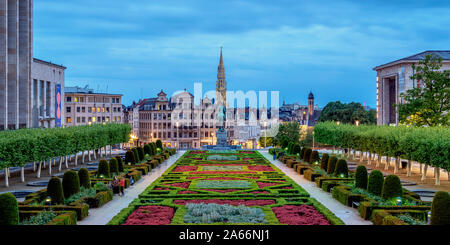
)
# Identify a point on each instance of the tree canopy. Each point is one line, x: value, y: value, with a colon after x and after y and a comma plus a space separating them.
x: 347, y: 113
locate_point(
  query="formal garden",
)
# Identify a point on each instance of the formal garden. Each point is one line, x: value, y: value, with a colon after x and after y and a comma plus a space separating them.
x: 224, y: 187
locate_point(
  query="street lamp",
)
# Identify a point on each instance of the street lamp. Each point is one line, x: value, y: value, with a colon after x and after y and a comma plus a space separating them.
x: 178, y: 136
x: 357, y: 122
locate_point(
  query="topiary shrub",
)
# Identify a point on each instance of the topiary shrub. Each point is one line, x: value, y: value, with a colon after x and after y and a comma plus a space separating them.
x: 392, y: 187
x: 147, y: 149
x: 159, y: 144
x: 119, y: 163
x: 103, y: 168
x: 290, y: 145
x: 302, y: 152
x: 307, y: 155
x: 113, y: 166
x: 85, y: 180
x: 284, y: 143
x: 55, y: 191
x: 141, y: 153
x: 331, y: 165
x: 9, y: 211
x: 71, y: 183
x: 440, y: 209
x: 314, y: 157
x: 341, y: 168
x: 324, y: 162
x: 136, y: 155
x: 297, y: 149
x: 375, y: 183
x: 361, y: 177
x: 129, y: 157
x: 153, y: 149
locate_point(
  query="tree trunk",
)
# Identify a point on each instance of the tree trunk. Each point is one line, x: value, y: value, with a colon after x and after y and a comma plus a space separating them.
x: 437, y: 173
x: 60, y: 164
x: 424, y: 174
x: 22, y: 174
x: 106, y: 153
x: 110, y: 150
x: 388, y: 161
x: 50, y: 167
x: 378, y: 161
x: 89, y: 155
x: 66, y: 158
x: 39, y: 170
x: 369, y: 158
x: 76, y: 159
x: 6, y: 177
x: 34, y: 167
x: 82, y: 157
x: 409, y: 168
x: 332, y: 151
x: 100, y: 151
x: 397, y: 163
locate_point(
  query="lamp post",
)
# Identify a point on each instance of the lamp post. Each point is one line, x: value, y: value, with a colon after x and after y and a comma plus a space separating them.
x: 212, y: 138
x: 357, y: 122
x: 313, y: 140
x: 178, y: 136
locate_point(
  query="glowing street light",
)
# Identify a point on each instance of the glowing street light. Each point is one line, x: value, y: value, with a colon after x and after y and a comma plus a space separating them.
x: 357, y: 122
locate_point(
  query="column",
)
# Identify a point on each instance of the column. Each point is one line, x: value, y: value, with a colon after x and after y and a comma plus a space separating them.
x: 25, y: 57
x: 13, y: 64
x: 3, y: 64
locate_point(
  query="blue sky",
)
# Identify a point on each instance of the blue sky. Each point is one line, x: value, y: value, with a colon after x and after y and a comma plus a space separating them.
x: 139, y: 47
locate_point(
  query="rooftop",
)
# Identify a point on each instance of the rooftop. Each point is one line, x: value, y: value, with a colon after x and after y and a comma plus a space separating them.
x: 444, y: 54
x: 85, y: 90
x: 48, y: 63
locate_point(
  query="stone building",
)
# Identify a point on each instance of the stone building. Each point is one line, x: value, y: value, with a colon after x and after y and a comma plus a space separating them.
x: 83, y: 106
x: 29, y: 88
x: 304, y: 115
x: 394, y: 79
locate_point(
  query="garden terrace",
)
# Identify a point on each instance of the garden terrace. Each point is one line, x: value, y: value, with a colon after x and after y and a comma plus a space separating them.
x: 196, y: 190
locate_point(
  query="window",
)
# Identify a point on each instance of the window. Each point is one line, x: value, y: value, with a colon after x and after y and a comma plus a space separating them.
x: 103, y: 119
x: 114, y: 109
x: 118, y: 109
x: 107, y: 119
x: 94, y: 119
x: 68, y: 109
x: 83, y: 109
x: 76, y: 99
x: 78, y: 109
x: 154, y: 135
x: 107, y: 109
x: 98, y: 109
x: 99, y: 119
x: 83, y: 119
x: 89, y: 119
x: 68, y: 120
x: 174, y: 134
x: 78, y: 119
x: 89, y: 109
x: 69, y: 99
x: 103, y: 109
x: 168, y: 134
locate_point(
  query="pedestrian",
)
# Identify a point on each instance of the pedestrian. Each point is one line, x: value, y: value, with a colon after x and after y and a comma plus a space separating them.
x: 116, y: 185
x: 122, y: 186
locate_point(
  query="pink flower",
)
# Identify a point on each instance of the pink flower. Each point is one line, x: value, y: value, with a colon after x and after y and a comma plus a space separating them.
x: 179, y: 184
x: 150, y: 215
x: 299, y: 215
x: 187, y: 192
x: 265, y: 184
x: 261, y: 168
x: 222, y: 172
x: 229, y: 202
x: 184, y: 168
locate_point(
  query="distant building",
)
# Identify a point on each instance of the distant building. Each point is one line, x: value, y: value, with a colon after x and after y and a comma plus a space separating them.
x: 83, y: 106
x: 393, y: 79
x: 304, y: 115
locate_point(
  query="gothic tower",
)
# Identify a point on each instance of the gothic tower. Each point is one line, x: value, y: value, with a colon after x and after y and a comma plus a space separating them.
x: 221, y: 84
x: 310, y: 103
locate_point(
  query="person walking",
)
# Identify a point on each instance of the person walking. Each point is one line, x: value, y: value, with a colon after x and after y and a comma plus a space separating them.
x: 122, y: 186
x: 116, y: 185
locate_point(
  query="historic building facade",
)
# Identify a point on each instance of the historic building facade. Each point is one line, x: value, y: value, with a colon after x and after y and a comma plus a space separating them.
x: 393, y: 79
x: 30, y: 89
x: 84, y: 107
x: 304, y: 115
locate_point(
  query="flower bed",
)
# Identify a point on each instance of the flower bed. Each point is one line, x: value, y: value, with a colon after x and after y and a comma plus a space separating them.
x: 208, y: 184
x: 299, y: 215
x: 229, y: 202
x: 150, y: 215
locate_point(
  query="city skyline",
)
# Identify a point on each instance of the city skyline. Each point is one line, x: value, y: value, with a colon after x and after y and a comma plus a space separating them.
x: 327, y: 48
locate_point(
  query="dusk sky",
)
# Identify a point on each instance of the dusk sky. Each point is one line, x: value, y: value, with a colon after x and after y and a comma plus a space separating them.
x: 136, y: 48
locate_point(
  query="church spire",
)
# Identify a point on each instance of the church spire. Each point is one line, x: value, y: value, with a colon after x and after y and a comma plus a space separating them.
x: 221, y: 84
x: 221, y: 58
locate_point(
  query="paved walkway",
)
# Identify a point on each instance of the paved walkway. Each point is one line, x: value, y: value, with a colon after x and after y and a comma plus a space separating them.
x: 102, y: 215
x: 348, y: 215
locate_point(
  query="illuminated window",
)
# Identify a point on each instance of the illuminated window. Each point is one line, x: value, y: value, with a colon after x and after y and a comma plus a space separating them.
x: 107, y: 119
x: 68, y: 120
x: 76, y: 99
x: 94, y: 119
x: 103, y: 109
x: 98, y: 109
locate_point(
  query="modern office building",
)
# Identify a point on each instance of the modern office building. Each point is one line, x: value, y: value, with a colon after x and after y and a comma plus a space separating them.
x: 84, y: 106
x: 393, y: 79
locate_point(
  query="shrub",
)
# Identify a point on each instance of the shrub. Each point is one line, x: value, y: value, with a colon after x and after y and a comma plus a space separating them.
x: 324, y: 162
x: 9, y: 211
x: 392, y: 187
x: 314, y: 157
x: 103, y: 168
x: 136, y: 155
x: 129, y: 157
x: 307, y: 154
x: 113, y: 166
x: 440, y: 209
x: 331, y: 165
x: 341, y: 168
x: 119, y: 163
x: 147, y: 149
x: 361, y: 177
x: 41, y: 218
x: 159, y: 144
x: 55, y: 191
x: 297, y: 149
x: 85, y: 180
x: 71, y: 183
x: 290, y: 146
x: 141, y: 153
x: 375, y: 183
x: 302, y: 152
x: 153, y: 146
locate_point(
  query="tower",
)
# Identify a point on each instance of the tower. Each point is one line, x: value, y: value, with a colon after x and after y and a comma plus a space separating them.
x: 221, y: 84
x: 310, y: 103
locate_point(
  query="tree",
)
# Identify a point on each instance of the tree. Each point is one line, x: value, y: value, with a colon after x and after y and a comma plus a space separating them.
x: 288, y: 132
x: 429, y: 103
x: 347, y: 113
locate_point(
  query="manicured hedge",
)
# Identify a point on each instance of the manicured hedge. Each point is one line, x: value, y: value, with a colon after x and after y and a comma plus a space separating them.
x: 9, y: 213
x: 55, y: 191
x: 70, y: 183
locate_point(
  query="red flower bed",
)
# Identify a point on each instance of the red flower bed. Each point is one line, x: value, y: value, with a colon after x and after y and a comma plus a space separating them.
x: 194, y: 177
x: 247, y: 158
x: 184, y: 168
x: 299, y: 215
x: 161, y: 189
x: 180, y: 184
x: 265, y: 184
x: 261, y: 168
x: 223, y: 172
x: 221, y: 190
x: 150, y: 215
x: 230, y: 164
x: 223, y: 178
x: 229, y: 202
x: 247, y: 152
x: 187, y: 192
x: 197, y: 152
x: 258, y: 192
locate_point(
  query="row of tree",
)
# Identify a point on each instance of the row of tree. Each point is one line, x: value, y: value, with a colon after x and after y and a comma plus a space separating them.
x: 23, y: 146
x: 426, y: 145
